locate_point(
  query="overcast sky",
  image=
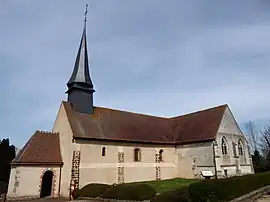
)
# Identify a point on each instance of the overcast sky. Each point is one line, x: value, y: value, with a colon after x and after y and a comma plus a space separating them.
x: 164, y: 58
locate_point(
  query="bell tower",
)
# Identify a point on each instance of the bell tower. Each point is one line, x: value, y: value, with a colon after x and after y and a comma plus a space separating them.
x: 80, y: 87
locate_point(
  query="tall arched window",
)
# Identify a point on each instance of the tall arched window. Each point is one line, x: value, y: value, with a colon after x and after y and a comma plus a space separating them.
x: 137, y: 155
x: 103, y: 151
x: 240, y: 147
x: 160, y: 155
x: 224, y: 146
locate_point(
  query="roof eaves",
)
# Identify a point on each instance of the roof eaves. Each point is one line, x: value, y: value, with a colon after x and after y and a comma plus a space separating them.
x: 194, y: 141
x: 36, y: 163
x: 123, y: 140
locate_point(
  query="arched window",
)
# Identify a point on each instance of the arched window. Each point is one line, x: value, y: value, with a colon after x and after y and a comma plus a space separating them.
x: 161, y: 155
x: 224, y: 147
x: 103, y: 151
x: 137, y: 155
x: 240, y: 148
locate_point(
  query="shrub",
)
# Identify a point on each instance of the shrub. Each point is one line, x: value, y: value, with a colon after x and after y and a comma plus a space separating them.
x: 92, y: 190
x: 3, y: 187
x: 180, y: 195
x: 130, y: 192
x: 227, y: 189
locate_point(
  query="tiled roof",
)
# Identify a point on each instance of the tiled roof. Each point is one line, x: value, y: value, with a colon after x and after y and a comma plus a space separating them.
x: 198, y: 126
x: 110, y: 124
x: 41, y: 148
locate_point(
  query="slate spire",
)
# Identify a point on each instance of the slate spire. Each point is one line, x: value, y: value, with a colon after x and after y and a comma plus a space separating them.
x: 80, y: 86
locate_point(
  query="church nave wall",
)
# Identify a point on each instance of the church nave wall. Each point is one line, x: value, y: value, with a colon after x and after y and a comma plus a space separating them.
x: 194, y: 158
x: 95, y: 174
x: 112, y: 162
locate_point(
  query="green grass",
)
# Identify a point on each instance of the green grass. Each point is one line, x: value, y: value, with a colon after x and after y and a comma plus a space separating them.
x: 162, y: 186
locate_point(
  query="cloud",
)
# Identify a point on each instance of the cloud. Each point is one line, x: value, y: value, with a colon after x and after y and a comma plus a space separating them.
x: 162, y: 58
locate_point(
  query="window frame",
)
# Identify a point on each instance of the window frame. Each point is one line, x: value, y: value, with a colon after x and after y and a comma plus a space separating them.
x: 240, y: 147
x: 224, y: 146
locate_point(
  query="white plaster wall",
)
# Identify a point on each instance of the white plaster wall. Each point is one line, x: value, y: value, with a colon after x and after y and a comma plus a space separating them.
x: 29, y: 178
x: 193, y: 158
x: 62, y: 126
x: 95, y: 168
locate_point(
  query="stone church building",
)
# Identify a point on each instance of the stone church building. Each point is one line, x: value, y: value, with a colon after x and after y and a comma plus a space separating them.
x: 90, y: 144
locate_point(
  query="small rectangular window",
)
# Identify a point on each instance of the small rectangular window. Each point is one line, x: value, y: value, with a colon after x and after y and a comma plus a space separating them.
x: 226, y: 173
x: 103, y: 151
x: 137, y: 155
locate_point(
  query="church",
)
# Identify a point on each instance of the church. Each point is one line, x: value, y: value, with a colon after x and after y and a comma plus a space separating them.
x: 91, y: 144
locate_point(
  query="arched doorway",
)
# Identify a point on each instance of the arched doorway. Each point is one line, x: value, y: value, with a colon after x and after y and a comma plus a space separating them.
x: 46, y: 184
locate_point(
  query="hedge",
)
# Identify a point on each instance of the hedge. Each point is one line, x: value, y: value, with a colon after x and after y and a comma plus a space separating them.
x: 137, y: 192
x: 228, y: 188
x: 180, y: 195
x: 92, y: 190
x: 216, y: 190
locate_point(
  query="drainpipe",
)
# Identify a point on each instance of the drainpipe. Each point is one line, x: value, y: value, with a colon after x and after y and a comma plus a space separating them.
x: 214, y: 158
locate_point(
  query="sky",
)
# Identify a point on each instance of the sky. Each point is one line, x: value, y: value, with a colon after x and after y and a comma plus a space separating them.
x: 164, y: 58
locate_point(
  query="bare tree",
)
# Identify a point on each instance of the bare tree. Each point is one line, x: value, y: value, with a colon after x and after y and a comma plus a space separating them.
x: 253, y: 136
x: 265, y: 140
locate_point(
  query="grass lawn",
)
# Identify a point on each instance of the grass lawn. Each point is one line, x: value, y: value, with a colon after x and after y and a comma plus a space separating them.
x: 169, y: 185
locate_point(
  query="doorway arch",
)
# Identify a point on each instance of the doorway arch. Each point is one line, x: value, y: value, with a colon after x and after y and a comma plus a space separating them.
x: 46, y: 184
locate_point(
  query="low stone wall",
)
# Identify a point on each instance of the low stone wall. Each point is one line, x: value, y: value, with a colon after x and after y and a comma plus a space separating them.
x: 30, y: 198
x: 252, y: 196
x: 23, y: 198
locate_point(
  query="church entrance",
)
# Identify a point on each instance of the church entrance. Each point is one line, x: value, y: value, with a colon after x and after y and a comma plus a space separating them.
x: 46, y: 185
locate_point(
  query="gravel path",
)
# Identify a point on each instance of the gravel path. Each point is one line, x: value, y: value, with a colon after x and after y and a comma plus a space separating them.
x: 265, y: 198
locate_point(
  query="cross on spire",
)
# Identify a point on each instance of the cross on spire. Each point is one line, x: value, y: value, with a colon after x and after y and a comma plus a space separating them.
x: 85, y: 14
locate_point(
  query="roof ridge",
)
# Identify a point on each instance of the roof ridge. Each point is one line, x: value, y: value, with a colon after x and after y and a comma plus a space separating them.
x: 46, y: 132
x: 130, y: 112
x: 161, y: 117
x: 202, y: 110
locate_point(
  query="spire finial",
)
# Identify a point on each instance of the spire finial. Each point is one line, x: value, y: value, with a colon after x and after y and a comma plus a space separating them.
x: 85, y: 14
